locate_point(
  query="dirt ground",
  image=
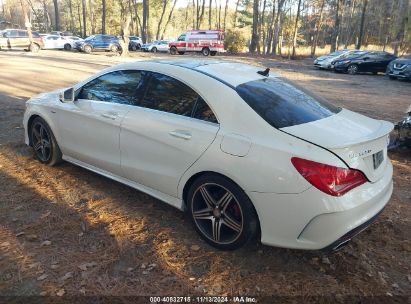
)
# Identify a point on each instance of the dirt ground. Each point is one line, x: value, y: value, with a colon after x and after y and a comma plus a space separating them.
x: 68, y: 231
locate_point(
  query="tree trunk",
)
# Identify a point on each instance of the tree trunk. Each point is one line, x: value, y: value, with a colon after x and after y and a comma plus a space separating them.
x: 202, y: 13
x: 92, y: 17
x: 170, y: 15
x: 103, y: 17
x: 296, y: 28
x: 277, y: 26
x: 71, y: 16
x: 84, y: 18
x: 56, y: 15
x: 317, y: 29
x: 125, y: 34
x: 79, y: 18
x: 261, y: 31
x: 209, y: 14
x: 254, y: 36
x: 270, y: 31
x: 144, y: 30
x: 360, y: 38
x: 161, y: 19
x: 403, y: 20
x: 334, y: 37
x: 225, y: 14
x: 236, y: 13
x: 26, y: 20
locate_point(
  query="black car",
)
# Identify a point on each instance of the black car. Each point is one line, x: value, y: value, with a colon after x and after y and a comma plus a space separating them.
x: 400, y: 68
x: 372, y: 62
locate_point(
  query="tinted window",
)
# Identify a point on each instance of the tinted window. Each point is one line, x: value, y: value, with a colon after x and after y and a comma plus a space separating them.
x: 169, y: 95
x: 202, y: 111
x: 12, y: 34
x: 118, y: 87
x: 35, y: 34
x: 282, y: 104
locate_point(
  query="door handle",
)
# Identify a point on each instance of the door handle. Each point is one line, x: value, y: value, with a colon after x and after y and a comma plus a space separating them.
x: 110, y: 115
x: 181, y: 134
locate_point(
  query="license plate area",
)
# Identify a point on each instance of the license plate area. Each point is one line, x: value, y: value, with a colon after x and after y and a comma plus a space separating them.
x: 377, y: 159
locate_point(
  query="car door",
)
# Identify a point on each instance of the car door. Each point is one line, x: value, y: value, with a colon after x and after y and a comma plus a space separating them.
x: 163, y: 47
x: 160, y: 138
x: 24, y: 40
x: 369, y: 63
x: 97, y: 43
x: 13, y: 39
x: 90, y: 126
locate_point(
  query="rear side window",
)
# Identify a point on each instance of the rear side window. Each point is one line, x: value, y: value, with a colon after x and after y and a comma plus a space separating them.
x: 118, y: 87
x: 283, y: 104
x: 202, y: 111
x: 169, y: 95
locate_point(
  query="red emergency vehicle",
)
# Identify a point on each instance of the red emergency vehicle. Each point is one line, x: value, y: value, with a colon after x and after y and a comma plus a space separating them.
x: 206, y: 42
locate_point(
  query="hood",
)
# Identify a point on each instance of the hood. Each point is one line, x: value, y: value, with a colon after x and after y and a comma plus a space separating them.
x: 353, y: 137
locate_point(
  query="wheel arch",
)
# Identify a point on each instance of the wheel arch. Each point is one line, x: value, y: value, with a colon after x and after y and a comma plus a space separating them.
x: 48, y: 122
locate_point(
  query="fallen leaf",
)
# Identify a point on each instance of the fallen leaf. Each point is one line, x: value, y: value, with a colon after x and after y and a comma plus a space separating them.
x: 54, y: 266
x: 195, y: 247
x: 20, y: 234
x: 61, y: 292
x: 84, y: 266
x: 67, y: 276
x: 46, y: 243
x: 42, y: 277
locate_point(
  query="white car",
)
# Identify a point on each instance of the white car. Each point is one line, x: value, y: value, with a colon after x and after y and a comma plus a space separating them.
x: 53, y: 42
x: 322, y: 61
x: 70, y: 42
x: 241, y: 151
x: 156, y: 46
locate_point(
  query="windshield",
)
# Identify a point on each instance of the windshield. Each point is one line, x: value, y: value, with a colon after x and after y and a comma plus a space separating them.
x: 283, y: 104
x: 336, y: 53
x: 89, y: 38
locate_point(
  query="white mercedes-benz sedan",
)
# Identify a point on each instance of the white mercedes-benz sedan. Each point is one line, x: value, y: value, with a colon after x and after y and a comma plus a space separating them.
x: 245, y: 153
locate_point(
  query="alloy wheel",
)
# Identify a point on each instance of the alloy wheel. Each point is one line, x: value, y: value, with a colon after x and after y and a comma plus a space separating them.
x: 41, y: 141
x: 217, y: 213
x: 352, y: 69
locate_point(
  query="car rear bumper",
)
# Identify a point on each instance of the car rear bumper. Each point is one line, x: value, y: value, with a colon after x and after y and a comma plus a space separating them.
x: 313, y: 220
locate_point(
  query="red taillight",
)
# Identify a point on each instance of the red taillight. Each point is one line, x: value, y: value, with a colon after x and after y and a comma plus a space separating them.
x: 332, y: 180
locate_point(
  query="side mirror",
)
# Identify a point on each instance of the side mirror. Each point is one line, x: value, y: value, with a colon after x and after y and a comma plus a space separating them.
x: 67, y: 96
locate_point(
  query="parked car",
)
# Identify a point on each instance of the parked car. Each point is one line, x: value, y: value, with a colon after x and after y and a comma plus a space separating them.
x: 404, y: 129
x: 135, y: 43
x: 206, y: 42
x: 326, y: 63
x: 400, y: 68
x: 319, y: 62
x: 99, y: 43
x: 71, y: 42
x: 54, y: 42
x: 288, y: 166
x: 372, y: 62
x: 19, y: 39
x: 156, y: 46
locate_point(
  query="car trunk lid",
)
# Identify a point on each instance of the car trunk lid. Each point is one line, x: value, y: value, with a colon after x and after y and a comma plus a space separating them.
x: 361, y: 142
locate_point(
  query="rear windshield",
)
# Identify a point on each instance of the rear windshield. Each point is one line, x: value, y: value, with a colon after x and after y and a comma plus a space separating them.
x: 283, y: 104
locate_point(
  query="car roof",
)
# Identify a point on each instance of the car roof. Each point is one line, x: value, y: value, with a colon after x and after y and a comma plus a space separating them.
x: 230, y: 73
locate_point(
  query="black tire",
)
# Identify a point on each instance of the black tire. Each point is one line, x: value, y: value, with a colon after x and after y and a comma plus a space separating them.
x: 213, y: 53
x: 67, y: 47
x: 114, y: 48
x: 181, y: 53
x: 88, y: 49
x: 352, y: 69
x: 45, y: 147
x: 133, y: 47
x: 235, y: 219
x: 205, y: 51
x: 34, y: 48
x: 154, y: 50
x: 173, y: 50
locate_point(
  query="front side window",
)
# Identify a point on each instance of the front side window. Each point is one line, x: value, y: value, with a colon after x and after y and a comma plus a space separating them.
x: 169, y: 95
x: 282, y: 104
x: 121, y: 87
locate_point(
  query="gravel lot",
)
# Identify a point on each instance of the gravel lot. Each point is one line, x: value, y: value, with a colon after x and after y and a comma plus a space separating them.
x: 68, y: 231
